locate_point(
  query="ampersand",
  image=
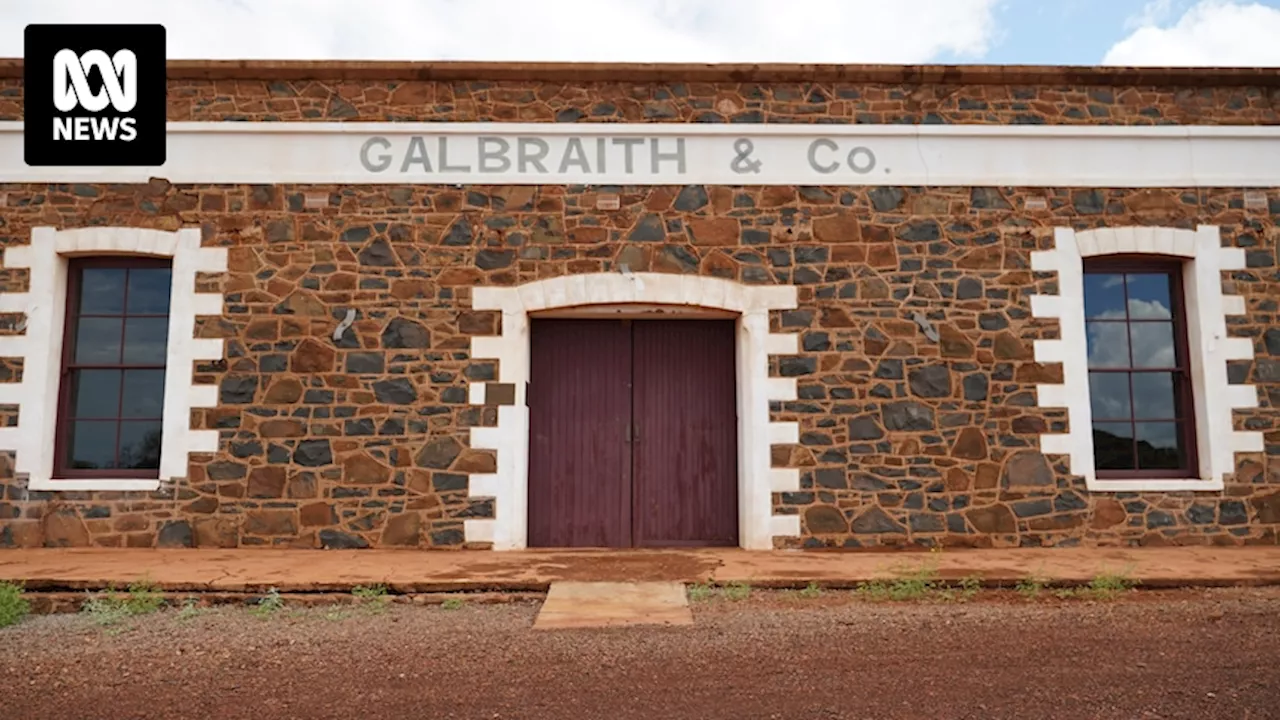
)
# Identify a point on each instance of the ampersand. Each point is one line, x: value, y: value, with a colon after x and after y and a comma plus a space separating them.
x: 743, y: 162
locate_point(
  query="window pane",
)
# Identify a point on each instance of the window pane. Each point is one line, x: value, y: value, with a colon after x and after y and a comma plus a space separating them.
x: 1113, y: 446
x: 1104, y: 296
x: 102, y: 291
x: 140, y: 445
x: 1153, y: 396
x: 98, y: 341
x: 95, y: 393
x: 1153, y: 344
x: 144, y: 341
x: 1159, y: 447
x: 143, y: 394
x: 148, y: 291
x: 1108, y: 344
x: 1149, y: 296
x: 93, y: 445
x: 1109, y: 396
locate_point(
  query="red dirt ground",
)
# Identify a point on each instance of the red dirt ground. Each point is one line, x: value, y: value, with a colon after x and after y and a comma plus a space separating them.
x: 1199, y: 654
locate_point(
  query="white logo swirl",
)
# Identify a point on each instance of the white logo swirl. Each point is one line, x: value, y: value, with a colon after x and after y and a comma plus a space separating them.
x: 119, y: 80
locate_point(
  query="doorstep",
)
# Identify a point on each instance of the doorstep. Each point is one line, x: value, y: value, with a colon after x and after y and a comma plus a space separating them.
x: 419, y: 571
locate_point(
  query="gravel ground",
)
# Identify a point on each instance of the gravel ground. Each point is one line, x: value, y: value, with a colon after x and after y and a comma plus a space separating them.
x: 1188, y: 654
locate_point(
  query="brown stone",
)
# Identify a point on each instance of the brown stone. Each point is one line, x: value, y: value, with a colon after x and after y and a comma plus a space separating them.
x: 269, y: 522
x: 361, y: 469
x: 283, y: 391
x: 64, y: 528
x: 312, y: 357
x: 958, y: 480
x: 476, y: 461
x: 130, y: 523
x: 1027, y: 468
x: 216, y: 532
x: 714, y: 231
x: 282, y: 429
x: 404, y: 530
x: 1161, y: 202
x: 478, y: 323
x: 825, y: 520
x: 319, y: 514
x: 267, y: 482
x: 993, y: 519
x: 953, y: 343
x: 1107, y: 513
x: 971, y: 444
x: 882, y: 256
x: 986, y: 258
x: 1008, y: 347
x: 842, y: 227
x: 304, y: 303
x: 1268, y: 508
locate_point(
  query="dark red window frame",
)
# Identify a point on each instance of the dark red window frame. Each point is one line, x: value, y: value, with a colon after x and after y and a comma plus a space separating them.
x: 62, y: 451
x: 1184, y: 401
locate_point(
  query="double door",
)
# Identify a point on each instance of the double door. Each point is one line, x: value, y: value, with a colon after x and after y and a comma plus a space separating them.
x: 633, y: 433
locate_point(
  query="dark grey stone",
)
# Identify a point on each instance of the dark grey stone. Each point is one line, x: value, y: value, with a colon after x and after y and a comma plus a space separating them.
x: 931, y: 381
x: 459, y: 234
x: 682, y: 257
x: 976, y: 387
x: 378, y: 254
x: 885, y: 199
x: 993, y: 321
x: 238, y: 389
x: 875, y: 522
x: 968, y: 288
x: 224, y: 470
x: 356, y: 234
x: 1159, y: 519
x: 983, y: 198
x: 648, y: 229
x: 926, y: 523
x: 889, y: 369
x: 370, y: 362
x: 865, y: 428
x: 1267, y: 371
x: 439, y: 454
x: 1272, y: 340
x: 1232, y: 512
x: 1089, y: 202
x: 1033, y: 508
x: 252, y: 448
x: 1068, y: 501
x: 832, y: 478
x: 907, y: 416
x: 1199, y: 514
x: 440, y: 538
x: 448, y: 482
x: 494, y: 259
x: 691, y: 197
x: 334, y: 540
x: 175, y: 533
x: 313, y: 453
x: 920, y: 231
x: 404, y: 333
x: 397, y: 391
x: 796, y: 366
x: 358, y: 427
x: 815, y: 341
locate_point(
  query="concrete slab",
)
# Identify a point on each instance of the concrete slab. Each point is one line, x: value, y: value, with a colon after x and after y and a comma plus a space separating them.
x: 289, y: 570
x: 613, y: 604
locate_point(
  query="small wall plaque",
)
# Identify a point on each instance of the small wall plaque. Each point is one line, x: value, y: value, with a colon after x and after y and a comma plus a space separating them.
x: 1255, y: 200
x: 1036, y: 203
x: 315, y: 200
x: 608, y: 202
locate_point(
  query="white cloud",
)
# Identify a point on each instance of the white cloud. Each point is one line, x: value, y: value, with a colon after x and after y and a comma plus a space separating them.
x: 1223, y: 33
x: 818, y: 31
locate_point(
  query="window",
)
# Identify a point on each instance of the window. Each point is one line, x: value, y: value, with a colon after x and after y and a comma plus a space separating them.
x: 1139, y: 373
x: 113, y: 368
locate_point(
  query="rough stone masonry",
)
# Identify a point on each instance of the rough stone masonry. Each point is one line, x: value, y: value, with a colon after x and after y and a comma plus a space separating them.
x: 904, y: 440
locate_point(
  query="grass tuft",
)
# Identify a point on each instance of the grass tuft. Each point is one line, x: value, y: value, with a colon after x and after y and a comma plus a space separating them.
x: 269, y: 604
x: 13, y: 606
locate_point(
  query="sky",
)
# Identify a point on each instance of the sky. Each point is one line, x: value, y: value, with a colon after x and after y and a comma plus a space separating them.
x: 1039, y: 32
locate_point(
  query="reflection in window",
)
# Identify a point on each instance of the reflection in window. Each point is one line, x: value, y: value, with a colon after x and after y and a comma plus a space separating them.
x: 112, y: 391
x: 1139, y: 377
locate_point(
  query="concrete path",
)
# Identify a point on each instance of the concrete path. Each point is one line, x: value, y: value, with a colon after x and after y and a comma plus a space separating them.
x: 252, y: 570
x: 613, y: 604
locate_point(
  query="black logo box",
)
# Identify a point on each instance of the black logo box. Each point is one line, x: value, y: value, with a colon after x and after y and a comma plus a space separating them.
x: 146, y: 147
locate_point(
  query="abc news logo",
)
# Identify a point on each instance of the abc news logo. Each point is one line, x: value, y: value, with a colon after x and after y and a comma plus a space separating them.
x: 94, y: 95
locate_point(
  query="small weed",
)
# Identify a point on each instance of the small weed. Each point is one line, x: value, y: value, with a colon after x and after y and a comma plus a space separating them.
x: 915, y: 584
x: 109, y: 607
x: 1109, y: 586
x: 452, y: 603
x: 874, y: 590
x: 965, y: 591
x: 13, y: 607
x: 811, y: 592
x: 1066, y: 593
x: 701, y: 592
x: 1031, y: 587
x: 736, y: 591
x: 270, y: 604
x: 190, y: 610
x: 336, y: 614
x: 373, y: 597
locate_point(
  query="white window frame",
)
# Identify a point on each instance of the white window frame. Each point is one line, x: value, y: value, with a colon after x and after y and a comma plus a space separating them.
x: 1209, y: 346
x: 44, y: 305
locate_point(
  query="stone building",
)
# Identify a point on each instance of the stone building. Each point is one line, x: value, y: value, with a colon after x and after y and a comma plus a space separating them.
x: 499, y: 306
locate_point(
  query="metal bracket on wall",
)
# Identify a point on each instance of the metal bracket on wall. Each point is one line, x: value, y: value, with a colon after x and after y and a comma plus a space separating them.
x: 22, y: 480
x: 929, y: 330
x: 342, y: 326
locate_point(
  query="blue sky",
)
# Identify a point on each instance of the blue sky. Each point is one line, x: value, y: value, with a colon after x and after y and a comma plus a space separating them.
x: 1071, y: 32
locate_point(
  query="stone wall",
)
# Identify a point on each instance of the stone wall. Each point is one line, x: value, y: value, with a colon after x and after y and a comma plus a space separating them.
x: 817, y: 102
x: 903, y: 440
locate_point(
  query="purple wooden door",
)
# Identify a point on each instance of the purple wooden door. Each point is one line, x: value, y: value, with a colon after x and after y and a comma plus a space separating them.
x: 685, y: 476
x: 579, y: 400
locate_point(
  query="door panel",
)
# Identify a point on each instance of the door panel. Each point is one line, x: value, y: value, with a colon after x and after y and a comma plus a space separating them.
x: 685, y: 450
x: 579, y: 413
